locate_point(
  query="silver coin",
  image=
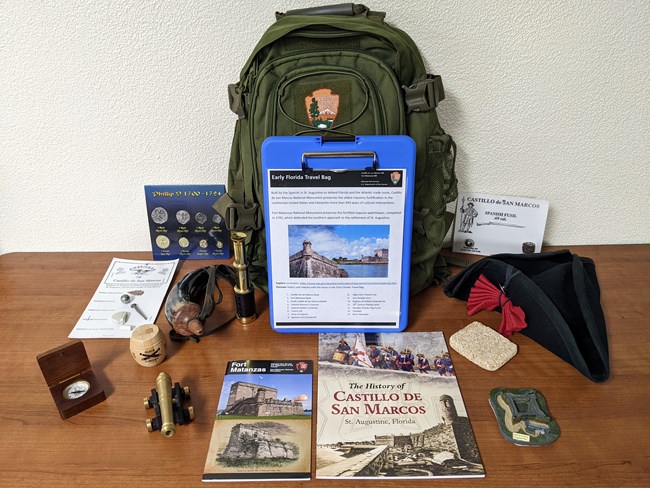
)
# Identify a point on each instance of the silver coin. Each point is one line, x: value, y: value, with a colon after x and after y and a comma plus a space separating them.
x: 201, y: 218
x: 159, y: 215
x: 183, y: 217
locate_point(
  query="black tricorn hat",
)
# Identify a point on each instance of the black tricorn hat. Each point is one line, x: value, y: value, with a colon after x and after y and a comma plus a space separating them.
x: 560, y: 295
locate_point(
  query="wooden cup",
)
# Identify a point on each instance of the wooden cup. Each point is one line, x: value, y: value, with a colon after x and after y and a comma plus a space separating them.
x: 148, y: 345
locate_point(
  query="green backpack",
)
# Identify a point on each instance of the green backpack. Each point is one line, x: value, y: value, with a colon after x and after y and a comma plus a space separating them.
x: 339, y: 71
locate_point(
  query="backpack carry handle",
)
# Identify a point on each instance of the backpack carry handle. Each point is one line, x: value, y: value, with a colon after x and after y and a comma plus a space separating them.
x: 349, y: 9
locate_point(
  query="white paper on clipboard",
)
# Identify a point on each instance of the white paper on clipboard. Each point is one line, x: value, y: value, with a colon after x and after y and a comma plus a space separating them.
x: 336, y: 245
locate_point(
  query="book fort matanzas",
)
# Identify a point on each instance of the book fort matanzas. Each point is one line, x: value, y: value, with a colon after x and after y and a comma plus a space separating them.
x: 262, y: 430
x: 389, y: 406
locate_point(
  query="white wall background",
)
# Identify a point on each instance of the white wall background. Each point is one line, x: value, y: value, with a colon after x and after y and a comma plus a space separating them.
x: 545, y: 98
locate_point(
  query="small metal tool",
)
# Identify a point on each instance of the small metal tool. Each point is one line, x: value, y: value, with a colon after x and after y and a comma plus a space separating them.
x: 135, y: 307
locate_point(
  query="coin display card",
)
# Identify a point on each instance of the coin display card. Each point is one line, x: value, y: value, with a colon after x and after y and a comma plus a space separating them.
x: 183, y: 224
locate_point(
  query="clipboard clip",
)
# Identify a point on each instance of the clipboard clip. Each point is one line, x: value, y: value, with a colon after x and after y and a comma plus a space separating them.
x: 342, y: 154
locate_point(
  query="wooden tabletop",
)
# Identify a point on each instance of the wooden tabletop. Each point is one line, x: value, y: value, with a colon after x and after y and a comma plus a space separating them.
x: 605, y: 428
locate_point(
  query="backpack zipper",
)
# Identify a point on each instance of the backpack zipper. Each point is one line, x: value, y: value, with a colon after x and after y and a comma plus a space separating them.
x: 254, y: 75
x: 373, y: 96
x: 361, y: 54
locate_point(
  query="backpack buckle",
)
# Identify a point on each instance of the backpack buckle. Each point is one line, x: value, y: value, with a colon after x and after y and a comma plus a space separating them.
x: 424, y: 95
x: 236, y: 100
x: 239, y: 217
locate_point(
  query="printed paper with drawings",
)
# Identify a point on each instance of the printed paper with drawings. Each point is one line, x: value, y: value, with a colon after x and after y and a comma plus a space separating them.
x: 130, y: 294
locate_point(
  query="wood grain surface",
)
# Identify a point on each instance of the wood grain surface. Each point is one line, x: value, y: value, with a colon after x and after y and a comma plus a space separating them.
x: 605, y: 428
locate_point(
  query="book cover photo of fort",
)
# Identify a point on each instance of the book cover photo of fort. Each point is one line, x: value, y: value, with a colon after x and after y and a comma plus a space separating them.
x: 338, y: 251
x: 262, y: 430
x: 389, y: 406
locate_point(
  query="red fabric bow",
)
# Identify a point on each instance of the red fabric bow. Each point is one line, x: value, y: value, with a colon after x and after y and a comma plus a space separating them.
x: 485, y: 296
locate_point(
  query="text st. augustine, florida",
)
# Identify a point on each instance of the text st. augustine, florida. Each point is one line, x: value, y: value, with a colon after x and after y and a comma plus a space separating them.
x: 377, y: 403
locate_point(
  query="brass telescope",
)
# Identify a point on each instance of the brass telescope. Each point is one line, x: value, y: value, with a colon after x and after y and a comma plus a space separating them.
x: 244, y: 292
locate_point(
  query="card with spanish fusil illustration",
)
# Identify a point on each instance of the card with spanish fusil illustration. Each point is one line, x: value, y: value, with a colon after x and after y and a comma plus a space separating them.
x: 493, y: 224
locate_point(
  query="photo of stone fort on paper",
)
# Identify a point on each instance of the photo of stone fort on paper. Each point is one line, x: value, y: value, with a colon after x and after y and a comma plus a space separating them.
x: 338, y: 251
x: 259, y: 395
x: 263, y: 425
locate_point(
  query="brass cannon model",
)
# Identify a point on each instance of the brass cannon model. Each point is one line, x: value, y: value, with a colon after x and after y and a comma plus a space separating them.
x: 168, y: 405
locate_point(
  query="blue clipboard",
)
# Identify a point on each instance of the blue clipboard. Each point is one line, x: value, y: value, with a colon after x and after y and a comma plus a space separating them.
x: 338, y: 220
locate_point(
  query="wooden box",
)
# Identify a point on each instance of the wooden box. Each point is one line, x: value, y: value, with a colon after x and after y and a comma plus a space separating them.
x: 70, y: 378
